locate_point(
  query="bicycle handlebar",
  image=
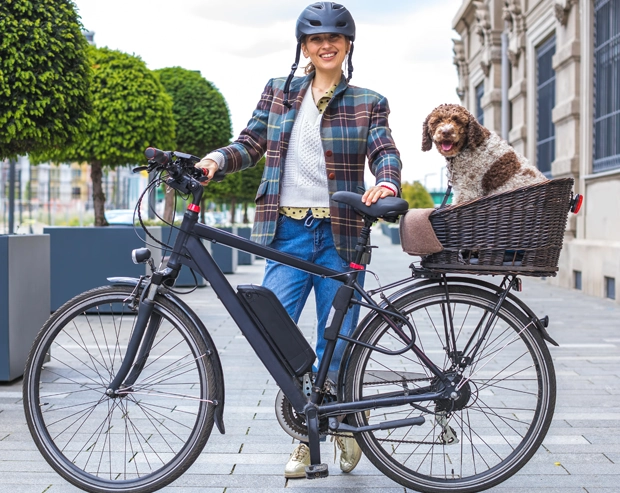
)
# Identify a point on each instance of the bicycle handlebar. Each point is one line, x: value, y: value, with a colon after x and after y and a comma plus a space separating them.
x: 177, y: 164
x: 160, y: 157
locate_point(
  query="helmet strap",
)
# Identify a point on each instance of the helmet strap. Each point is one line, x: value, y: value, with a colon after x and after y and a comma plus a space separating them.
x: 350, y: 64
x: 287, y: 86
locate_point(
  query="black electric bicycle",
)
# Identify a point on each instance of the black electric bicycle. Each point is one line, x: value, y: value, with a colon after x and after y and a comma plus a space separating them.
x: 447, y: 383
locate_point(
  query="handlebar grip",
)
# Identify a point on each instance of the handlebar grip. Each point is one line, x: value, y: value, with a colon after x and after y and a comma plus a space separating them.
x: 160, y: 157
x: 218, y: 176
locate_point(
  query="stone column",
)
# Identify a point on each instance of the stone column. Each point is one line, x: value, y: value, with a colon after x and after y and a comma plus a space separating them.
x: 489, y: 26
x: 517, y: 94
x: 566, y: 114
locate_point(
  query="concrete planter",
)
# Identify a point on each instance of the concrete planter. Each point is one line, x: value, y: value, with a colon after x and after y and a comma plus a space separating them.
x: 83, y: 258
x: 185, y: 278
x: 394, y: 234
x: 226, y: 258
x: 245, y: 258
x: 24, y: 298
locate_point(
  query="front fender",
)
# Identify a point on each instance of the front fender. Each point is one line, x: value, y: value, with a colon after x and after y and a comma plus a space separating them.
x: 215, y: 358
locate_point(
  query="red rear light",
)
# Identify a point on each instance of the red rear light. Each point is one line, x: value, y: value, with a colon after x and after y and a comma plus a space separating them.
x: 575, y: 204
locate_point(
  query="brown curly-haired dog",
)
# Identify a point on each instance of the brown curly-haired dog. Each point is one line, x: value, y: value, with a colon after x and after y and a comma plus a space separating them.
x: 479, y: 162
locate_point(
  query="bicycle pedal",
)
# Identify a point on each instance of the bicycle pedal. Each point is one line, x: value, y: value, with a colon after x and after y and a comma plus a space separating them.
x: 317, y: 471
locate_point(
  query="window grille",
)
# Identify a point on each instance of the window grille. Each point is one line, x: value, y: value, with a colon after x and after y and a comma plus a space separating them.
x: 606, y: 85
x: 479, y: 110
x: 545, y: 90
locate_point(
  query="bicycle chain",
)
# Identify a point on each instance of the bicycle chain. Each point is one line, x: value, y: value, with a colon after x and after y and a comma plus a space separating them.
x: 386, y: 382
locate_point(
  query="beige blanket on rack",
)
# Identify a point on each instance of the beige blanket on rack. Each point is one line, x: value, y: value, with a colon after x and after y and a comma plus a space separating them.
x: 417, y: 236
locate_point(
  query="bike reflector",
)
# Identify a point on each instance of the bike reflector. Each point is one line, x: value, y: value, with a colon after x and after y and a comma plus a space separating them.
x: 576, y: 203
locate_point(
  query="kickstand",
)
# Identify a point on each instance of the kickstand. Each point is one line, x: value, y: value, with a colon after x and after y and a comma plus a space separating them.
x: 315, y: 469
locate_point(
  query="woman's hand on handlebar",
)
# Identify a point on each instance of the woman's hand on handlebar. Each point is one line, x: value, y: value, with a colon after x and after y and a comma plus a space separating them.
x: 208, y: 166
x: 375, y: 193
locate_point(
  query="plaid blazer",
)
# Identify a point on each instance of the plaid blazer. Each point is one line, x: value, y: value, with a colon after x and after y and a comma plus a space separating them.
x: 354, y: 127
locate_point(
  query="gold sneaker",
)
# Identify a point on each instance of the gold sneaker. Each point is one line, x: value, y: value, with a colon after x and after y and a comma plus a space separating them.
x: 296, y: 465
x: 350, y: 452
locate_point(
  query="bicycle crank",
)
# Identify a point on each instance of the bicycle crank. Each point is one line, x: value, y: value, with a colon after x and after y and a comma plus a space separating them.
x: 294, y: 423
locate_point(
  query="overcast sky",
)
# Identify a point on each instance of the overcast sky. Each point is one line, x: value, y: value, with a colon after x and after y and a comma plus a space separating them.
x: 403, y: 50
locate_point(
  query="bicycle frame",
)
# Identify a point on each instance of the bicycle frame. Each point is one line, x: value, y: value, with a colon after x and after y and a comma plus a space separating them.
x: 189, y: 250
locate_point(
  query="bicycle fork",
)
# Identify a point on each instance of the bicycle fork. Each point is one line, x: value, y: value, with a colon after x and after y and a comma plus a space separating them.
x: 139, y: 347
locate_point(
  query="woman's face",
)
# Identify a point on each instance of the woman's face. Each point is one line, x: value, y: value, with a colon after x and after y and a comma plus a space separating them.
x: 326, y: 51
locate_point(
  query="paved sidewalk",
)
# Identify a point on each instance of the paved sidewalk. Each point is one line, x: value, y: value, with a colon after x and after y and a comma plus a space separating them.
x: 580, y: 454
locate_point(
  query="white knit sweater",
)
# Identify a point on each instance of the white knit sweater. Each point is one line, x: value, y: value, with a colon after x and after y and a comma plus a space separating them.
x: 304, y: 179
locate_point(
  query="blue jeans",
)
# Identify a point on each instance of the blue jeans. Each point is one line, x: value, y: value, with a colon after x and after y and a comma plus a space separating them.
x: 310, y: 239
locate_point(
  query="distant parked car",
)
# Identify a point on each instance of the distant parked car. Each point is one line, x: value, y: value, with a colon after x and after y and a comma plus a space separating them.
x: 120, y: 217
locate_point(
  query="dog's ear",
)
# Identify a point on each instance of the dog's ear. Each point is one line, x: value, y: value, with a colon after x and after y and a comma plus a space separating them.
x: 476, y: 133
x: 427, y: 142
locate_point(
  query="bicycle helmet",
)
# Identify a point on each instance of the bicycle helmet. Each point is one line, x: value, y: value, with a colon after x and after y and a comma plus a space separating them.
x: 325, y: 17
x: 319, y: 18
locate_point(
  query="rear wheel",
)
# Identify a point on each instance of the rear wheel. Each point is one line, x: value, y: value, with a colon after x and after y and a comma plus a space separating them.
x: 507, y: 393
x: 141, y: 440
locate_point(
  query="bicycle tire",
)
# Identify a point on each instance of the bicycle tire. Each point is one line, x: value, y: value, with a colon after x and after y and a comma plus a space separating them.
x: 137, y: 443
x: 505, y: 419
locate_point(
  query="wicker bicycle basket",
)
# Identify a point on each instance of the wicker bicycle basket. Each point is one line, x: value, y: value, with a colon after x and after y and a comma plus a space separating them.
x: 519, y: 232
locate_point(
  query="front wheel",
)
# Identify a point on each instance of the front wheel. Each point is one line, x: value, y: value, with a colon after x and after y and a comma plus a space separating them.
x: 507, y: 393
x: 141, y: 440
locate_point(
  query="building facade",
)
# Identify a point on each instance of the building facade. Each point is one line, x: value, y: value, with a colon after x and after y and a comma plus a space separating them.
x: 546, y: 75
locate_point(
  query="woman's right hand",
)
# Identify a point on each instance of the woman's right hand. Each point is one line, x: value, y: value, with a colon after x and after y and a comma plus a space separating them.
x: 209, y: 166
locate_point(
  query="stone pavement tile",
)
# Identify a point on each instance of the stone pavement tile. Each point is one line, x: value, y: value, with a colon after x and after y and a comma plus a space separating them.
x: 189, y: 489
x: 568, y: 458
x: 591, y: 468
x: 612, y: 447
x: 19, y: 479
x: 205, y: 460
x: 341, y: 481
x: 28, y: 488
x: 502, y: 488
x: 541, y: 482
x: 227, y: 481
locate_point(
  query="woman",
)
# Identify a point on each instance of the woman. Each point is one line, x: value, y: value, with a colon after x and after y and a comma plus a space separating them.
x: 316, y: 132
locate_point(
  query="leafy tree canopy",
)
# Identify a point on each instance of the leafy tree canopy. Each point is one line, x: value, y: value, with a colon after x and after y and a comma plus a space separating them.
x: 200, y: 111
x: 131, y: 111
x: 44, y: 75
x: 417, y: 196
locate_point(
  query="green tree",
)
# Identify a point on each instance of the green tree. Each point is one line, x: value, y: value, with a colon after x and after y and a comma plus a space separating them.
x: 237, y: 188
x: 417, y: 196
x: 131, y: 111
x: 44, y: 80
x: 44, y: 76
x: 201, y: 115
x: 250, y: 180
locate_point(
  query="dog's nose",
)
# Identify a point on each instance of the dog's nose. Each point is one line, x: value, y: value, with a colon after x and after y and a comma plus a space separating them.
x: 446, y: 131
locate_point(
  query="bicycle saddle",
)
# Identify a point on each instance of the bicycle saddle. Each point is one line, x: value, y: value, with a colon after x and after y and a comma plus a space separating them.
x: 386, y: 208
